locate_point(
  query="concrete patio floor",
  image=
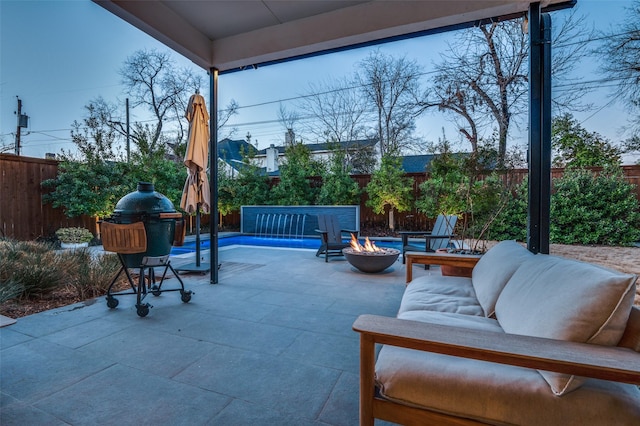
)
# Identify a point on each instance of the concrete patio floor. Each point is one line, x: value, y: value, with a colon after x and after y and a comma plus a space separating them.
x: 271, y: 344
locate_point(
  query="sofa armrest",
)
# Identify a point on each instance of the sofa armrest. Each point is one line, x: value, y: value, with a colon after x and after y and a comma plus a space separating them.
x: 600, y: 362
x: 451, y: 259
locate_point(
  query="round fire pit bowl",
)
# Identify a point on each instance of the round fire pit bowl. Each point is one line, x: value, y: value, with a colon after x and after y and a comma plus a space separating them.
x: 371, y: 262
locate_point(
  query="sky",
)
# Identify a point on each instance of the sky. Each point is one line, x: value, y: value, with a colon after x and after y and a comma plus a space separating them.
x: 56, y: 56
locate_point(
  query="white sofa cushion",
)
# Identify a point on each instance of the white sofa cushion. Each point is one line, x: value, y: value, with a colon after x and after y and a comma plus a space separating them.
x: 473, y: 322
x: 499, y: 394
x: 494, y: 269
x: 564, y: 299
x: 440, y: 294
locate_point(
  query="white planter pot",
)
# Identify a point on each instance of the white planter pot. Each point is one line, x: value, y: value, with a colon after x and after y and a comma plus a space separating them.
x: 73, y: 245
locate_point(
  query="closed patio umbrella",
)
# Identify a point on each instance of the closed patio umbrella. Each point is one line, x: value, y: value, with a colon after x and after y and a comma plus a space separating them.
x: 195, y: 195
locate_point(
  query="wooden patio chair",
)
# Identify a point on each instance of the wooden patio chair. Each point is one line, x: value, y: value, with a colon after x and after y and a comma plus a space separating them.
x: 331, y: 236
x: 438, y: 237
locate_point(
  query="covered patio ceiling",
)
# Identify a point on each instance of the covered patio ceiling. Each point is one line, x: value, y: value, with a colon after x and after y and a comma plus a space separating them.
x: 232, y: 35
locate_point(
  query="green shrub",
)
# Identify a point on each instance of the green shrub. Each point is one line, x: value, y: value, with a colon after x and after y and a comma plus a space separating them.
x: 460, y: 185
x: 31, y: 269
x: 295, y: 187
x: 511, y: 223
x: 389, y: 189
x: 89, y: 275
x: 74, y: 235
x: 594, y: 209
x: 33, y: 266
x: 338, y: 188
x: 9, y: 288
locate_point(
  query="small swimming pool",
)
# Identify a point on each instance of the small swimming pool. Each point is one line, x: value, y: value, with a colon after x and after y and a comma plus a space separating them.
x: 249, y: 240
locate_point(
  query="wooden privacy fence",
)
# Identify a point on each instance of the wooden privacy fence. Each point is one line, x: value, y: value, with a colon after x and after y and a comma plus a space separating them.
x: 23, y: 216
x: 415, y: 220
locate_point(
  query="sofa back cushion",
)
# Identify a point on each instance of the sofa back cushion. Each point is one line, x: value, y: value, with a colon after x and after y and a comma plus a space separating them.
x: 631, y: 337
x: 494, y: 269
x: 568, y: 300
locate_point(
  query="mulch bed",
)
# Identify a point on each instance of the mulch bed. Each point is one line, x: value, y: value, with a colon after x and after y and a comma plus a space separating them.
x: 60, y: 297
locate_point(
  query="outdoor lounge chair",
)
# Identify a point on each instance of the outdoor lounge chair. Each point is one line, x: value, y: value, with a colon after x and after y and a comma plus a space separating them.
x: 331, y: 236
x: 438, y: 237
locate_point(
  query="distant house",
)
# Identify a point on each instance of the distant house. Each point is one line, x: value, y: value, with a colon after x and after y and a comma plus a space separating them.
x: 269, y: 159
x: 232, y: 152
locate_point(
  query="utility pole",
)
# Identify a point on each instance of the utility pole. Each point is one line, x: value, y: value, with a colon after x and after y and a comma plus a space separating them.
x: 23, y: 121
x: 128, y: 133
x: 118, y: 127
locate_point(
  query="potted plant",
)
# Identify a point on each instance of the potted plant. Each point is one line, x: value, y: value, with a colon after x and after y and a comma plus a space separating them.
x: 74, y: 237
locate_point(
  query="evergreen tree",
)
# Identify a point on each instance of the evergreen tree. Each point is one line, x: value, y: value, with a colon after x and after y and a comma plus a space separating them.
x: 337, y: 186
x: 295, y: 187
x: 389, y: 189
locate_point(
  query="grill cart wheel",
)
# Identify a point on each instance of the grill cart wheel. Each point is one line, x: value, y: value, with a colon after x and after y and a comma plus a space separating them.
x: 143, y: 310
x: 185, y: 296
x: 112, y: 302
x: 155, y: 290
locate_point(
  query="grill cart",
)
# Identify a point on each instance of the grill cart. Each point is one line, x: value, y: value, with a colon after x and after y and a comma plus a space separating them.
x: 141, y: 231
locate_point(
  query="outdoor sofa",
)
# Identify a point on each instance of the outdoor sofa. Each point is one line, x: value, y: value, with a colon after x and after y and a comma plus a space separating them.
x: 528, y: 340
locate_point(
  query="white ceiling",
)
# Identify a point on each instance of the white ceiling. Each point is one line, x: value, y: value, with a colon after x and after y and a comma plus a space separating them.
x: 233, y: 34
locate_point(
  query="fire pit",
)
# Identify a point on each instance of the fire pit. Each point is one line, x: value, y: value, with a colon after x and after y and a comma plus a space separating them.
x: 368, y: 257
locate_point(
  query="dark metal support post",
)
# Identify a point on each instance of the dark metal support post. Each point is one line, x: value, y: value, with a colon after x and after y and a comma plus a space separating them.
x: 539, y: 155
x: 213, y: 174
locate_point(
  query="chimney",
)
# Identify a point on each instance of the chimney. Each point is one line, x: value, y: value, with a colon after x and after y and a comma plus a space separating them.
x: 289, y: 137
x: 272, y: 158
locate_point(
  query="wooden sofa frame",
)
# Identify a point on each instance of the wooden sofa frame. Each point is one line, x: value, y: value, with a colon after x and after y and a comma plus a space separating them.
x: 608, y: 363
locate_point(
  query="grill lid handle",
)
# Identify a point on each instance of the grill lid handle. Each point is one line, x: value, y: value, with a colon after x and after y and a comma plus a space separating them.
x: 175, y: 215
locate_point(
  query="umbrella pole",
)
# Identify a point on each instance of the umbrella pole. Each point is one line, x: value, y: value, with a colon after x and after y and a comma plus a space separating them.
x: 197, y: 266
x: 198, y: 235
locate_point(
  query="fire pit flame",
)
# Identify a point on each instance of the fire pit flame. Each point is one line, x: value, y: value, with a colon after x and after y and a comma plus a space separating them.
x: 368, y: 246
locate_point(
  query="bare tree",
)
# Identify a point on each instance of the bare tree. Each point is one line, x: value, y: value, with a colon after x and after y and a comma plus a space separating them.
x: 391, y: 86
x: 621, y: 61
x: 570, y: 46
x: 224, y: 115
x: 338, y: 111
x: 152, y: 80
x: 338, y: 115
x: 482, y: 78
x: 96, y: 135
x: 483, y: 72
x: 289, y: 120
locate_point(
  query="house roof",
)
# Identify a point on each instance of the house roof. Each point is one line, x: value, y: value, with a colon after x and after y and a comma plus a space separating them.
x: 419, y: 163
x: 416, y: 163
x: 232, y: 35
x: 328, y: 146
x: 232, y: 150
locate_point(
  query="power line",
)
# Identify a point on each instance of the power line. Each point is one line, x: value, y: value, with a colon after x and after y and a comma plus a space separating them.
x: 436, y: 71
x: 598, y: 110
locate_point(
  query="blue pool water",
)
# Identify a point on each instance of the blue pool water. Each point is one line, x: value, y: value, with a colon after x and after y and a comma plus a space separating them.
x: 247, y: 240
